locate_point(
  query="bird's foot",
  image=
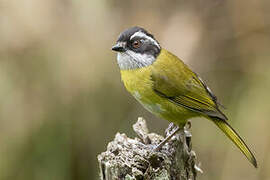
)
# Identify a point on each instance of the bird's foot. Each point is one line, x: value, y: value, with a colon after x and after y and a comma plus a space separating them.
x: 159, y: 146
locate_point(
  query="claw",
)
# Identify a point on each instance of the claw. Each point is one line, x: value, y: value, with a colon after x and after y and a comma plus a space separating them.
x: 159, y: 146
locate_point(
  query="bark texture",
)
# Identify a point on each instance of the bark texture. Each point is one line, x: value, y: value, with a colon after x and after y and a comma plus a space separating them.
x: 136, y: 159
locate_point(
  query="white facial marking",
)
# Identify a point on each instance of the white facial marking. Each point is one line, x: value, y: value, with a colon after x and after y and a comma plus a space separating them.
x: 122, y: 44
x: 142, y: 35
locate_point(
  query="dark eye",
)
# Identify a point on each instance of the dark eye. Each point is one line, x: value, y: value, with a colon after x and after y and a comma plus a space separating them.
x: 136, y: 44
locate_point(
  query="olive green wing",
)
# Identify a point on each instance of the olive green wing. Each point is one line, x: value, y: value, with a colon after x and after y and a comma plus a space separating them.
x: 184, y: 88
x: 173, y: 80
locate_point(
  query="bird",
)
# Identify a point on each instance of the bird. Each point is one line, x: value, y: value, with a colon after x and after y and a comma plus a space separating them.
x: 164, y: 85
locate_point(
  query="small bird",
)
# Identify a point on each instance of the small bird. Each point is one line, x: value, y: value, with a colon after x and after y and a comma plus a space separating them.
x: 166, y: 87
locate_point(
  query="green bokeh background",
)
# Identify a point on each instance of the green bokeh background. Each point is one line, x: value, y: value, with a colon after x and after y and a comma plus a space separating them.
x: 61, y: 96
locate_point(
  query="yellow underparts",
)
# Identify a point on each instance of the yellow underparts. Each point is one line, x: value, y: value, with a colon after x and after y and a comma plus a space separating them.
x: 138, y: 82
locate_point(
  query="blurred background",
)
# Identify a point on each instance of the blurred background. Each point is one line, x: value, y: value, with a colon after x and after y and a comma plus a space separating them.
x: 61, y: 96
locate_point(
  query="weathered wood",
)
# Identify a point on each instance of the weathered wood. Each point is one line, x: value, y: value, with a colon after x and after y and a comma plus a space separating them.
x: 131, y: 159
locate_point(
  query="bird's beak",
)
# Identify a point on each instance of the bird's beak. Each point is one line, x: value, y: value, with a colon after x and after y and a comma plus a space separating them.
x: 119, y: 47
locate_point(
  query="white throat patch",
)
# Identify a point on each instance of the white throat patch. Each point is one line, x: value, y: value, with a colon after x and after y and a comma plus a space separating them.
x: 131, y: 60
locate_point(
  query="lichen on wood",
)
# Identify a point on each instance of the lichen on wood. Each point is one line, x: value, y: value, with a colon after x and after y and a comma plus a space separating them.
x: 137, y: 159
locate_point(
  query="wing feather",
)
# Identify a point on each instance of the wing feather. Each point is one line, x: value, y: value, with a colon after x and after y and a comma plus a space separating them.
x: 184, y: 88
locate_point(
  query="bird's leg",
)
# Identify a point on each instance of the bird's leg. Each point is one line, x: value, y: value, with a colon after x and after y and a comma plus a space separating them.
x: 159, y: 146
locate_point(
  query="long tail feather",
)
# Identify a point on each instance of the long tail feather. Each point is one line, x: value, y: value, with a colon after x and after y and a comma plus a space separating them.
x: 237, y: 140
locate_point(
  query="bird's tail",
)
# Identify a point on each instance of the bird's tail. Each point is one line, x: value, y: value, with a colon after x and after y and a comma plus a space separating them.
x: 237, y: 140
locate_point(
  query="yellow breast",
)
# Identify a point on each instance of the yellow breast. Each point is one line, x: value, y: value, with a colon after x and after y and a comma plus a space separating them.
x: 138, y: 82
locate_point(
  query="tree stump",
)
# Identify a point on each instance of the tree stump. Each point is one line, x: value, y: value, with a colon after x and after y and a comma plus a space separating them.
x: 136, y: 159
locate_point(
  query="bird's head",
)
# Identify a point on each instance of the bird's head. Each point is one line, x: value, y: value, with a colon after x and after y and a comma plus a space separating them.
x: 136, y: 48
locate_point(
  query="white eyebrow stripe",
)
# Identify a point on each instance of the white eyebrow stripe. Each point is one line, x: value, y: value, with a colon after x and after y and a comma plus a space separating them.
x: 142, y: 35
